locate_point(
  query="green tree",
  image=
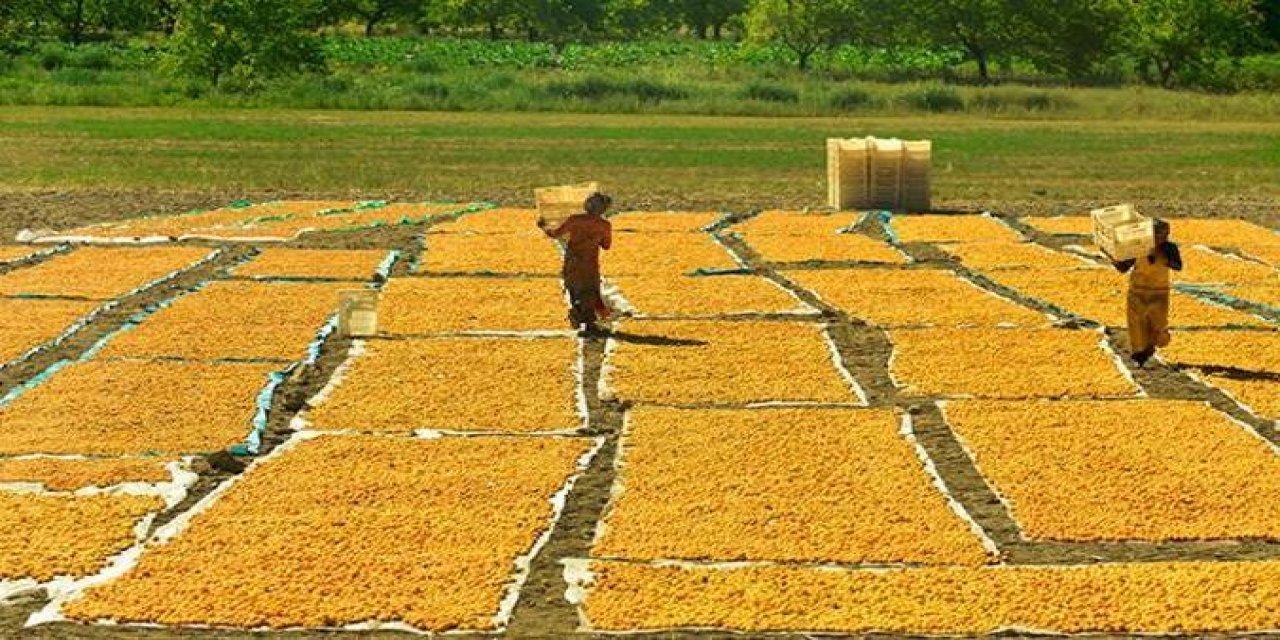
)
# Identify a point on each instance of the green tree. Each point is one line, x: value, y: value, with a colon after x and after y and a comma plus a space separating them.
x: 372, y: 13
x: 1174, y: 38
x: 73, y: 19
x: 636, y: 18
x: 709, y: 17
x: 1070, y: 37
x: 14, y: 19
x: 803, y: 26
x: 245, y: 39
x: 1269, y: 10
x: 558, y: 21
x: 137, y: 16
x: 495, y: 16
x: 984, y: 29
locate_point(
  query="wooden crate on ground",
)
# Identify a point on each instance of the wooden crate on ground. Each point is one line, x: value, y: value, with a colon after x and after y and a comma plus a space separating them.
x: 847, y: 173
x: 871, y: 173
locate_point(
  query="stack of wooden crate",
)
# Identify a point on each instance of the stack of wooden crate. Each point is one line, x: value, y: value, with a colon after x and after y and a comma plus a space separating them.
x: 869, y: 173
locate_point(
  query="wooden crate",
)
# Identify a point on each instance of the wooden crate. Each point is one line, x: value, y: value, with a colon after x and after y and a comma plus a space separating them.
x: 847, y: 173
x: 555, y: 204
x: 917, y: 164
x: 1122, y: 232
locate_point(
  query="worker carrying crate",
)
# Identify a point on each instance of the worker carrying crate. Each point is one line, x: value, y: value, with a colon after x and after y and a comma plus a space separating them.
x: 1140, y: 246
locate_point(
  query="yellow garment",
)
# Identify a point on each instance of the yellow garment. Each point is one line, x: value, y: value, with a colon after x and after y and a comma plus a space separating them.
x: 1148, y: 303
x: 1150, y: 276
x: 1148, y: 314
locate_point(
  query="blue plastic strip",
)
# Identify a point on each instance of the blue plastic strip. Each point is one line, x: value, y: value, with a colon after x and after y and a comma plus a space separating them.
x: 862, y: 218
x: 384, y: 269
x: 886, y: 223
x: 253, y: 443
x: 313, y: 349
x: 39, y: 379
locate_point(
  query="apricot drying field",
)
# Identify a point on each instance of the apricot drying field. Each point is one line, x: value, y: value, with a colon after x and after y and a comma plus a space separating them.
x: 801, y: 423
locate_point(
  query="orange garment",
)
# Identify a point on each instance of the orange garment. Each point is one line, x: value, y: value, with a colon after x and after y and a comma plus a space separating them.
x: 1147, y: 308
x: 584, y: 236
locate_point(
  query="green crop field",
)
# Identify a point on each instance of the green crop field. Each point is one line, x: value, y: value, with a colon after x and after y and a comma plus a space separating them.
x: 648, y: 161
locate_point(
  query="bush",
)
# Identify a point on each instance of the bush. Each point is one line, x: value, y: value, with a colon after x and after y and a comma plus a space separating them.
x: 1010, y: 99
x: 852, y: 99
x: 338, y: 83
x: 430, y: 89
x: 93, y: 57
x: 934, y: 100
x: 600, y: 88
x: 769, y: 92
x: 423, y: 65
x: 74, y: 77
x: 1260, y: 73
x: 1047, y: 101
x: 52, y: 56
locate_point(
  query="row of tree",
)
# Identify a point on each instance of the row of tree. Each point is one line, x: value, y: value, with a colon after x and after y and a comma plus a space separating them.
x: 79, y: 20
x: 1069, y: 37
x: 1166, y: 38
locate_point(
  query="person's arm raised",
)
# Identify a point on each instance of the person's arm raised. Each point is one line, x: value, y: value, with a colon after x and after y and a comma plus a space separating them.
x: 1174, y: 255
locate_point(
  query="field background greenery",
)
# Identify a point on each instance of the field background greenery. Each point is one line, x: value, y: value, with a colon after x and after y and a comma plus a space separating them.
x: 654, y: 160
x: 668, y: 77
x: 109, y: 107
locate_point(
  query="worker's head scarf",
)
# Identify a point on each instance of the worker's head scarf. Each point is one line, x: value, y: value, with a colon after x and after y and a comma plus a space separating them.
x: 597, y: 203
x: 1160, y: 227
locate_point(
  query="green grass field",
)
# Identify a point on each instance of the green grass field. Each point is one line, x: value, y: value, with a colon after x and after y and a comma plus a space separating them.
x: 648, y: 161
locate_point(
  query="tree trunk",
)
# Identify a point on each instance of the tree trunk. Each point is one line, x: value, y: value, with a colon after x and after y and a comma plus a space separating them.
x: 804, y: 56
x: 984, y: 66
x: 371, y: 25
x: 494, y: 32
x: 717, y: 30
x: 1166, y: 68
x: 76, y: 27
